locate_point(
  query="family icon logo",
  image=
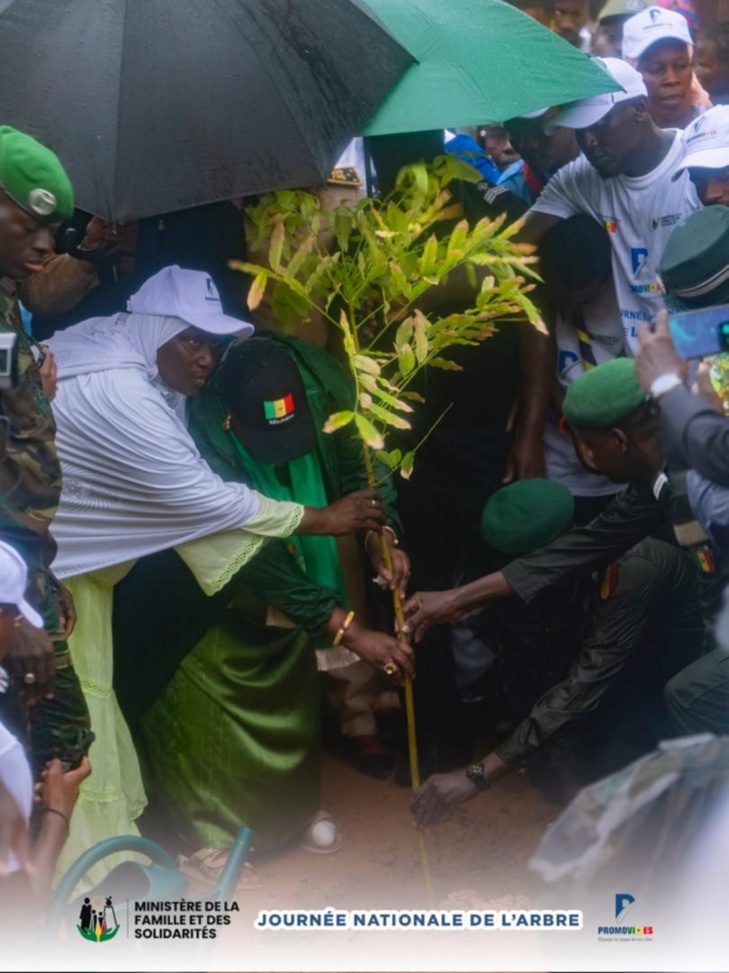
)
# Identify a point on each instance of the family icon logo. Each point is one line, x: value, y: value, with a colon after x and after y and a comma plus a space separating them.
x: 97, y: 919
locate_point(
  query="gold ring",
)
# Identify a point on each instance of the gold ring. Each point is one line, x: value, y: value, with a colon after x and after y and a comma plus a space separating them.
x: 391, y: 669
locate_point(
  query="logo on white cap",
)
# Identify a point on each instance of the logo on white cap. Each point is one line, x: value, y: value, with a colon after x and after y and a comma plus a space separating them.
x: 646, y: 28
x: 212, y: 296
x: 190, y: 295
x: 706, y: 141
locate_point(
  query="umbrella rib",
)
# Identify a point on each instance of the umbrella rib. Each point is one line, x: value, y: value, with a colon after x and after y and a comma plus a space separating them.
x: 120, y: 90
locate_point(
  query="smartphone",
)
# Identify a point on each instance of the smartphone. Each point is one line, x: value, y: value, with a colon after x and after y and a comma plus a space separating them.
x: 75, y: 753
x: 699, y: 333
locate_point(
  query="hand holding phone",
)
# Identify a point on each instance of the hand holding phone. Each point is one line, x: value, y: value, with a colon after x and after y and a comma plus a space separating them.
x: 73, y: 755
x: 699, y: 333
x: 658, y: 355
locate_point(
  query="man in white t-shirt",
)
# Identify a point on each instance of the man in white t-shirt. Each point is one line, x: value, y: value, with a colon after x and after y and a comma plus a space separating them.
x: 575, y: 264
x: 624, y: 180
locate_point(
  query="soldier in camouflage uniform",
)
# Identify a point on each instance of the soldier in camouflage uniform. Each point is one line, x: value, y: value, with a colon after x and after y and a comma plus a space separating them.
x: 35, y: 195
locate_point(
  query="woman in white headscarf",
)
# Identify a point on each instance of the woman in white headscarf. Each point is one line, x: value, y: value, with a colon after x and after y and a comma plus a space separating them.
x: 134, y: 483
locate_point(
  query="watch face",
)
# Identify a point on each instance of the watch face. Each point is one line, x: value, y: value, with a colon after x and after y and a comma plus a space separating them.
x: 474, y: 772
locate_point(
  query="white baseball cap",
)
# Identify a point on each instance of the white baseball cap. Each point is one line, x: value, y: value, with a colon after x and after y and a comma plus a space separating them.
x: 13, y: 582
x: 650, y: 26
x: 706, y: 141
x: 189, y: 295
x: 588, y: 111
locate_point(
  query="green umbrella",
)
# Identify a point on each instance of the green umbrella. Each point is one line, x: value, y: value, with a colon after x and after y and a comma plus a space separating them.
x: 479, y: 61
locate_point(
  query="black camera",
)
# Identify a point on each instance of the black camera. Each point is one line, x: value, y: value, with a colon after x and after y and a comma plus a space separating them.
x: 7, y: 360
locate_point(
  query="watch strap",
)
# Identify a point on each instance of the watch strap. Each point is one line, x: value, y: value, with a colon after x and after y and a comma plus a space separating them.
x: 664, y: 383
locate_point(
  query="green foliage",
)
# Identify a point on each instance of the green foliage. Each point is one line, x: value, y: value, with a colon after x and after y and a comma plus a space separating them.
x: 371, y: 268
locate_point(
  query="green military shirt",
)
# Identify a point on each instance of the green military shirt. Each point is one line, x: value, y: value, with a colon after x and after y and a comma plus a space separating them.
x: 30, y: 471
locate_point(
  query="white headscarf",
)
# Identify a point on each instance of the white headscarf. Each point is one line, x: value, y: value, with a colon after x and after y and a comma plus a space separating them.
x: 133, y: 479
x: 121, y: 341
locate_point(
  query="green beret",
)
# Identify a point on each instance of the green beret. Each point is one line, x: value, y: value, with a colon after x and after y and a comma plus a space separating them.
x: 622, y: 8
x: 695, y: 263
x: 33, y: 177
x: 602, y: 396
x: 526, y: 515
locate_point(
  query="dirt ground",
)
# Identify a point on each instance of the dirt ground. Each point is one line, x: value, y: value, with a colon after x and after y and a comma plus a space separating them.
x: 478, y: 856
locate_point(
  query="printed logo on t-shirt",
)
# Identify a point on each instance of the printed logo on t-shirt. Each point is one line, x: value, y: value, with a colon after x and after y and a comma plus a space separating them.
x: 638, y: 257
x: 660, y: 221
x: 639, y: 262
x: 611, y: 225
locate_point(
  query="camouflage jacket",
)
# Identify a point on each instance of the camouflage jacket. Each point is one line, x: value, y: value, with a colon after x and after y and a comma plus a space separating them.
x: 30, y: 471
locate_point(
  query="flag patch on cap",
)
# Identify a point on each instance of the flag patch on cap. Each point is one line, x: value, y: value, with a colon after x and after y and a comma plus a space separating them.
x: 279, y: 408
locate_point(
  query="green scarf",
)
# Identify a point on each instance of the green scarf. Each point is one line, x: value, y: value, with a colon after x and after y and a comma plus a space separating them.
x: 318, y: 557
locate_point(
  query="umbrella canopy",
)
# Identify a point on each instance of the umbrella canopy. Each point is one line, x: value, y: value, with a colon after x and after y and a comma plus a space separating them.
x: 156, y: 106
x: 478, y: 61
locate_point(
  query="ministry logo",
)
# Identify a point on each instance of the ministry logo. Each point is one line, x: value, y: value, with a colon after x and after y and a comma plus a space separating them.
x: 97, y: 919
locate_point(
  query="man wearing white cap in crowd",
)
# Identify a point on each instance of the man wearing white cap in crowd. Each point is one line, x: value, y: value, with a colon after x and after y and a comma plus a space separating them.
x: 58, y: 791
x: 706, y: 142
x: 624, y: 180
x: 658, y: 43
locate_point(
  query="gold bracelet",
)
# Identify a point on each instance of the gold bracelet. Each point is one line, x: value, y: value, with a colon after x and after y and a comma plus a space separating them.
x: 390, y: 530
x: 343, y: 630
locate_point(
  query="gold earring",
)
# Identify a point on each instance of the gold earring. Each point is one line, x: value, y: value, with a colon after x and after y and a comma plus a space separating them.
x: 227, y: 422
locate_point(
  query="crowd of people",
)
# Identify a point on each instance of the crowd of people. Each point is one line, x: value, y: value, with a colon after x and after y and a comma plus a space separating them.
x: 185, y: 553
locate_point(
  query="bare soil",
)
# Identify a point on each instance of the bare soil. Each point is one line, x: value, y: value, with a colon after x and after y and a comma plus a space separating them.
x: 476, y: 858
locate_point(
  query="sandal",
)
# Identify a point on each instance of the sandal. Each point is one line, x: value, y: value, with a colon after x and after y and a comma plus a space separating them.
x: 207, y: 864
x: 317, y: 846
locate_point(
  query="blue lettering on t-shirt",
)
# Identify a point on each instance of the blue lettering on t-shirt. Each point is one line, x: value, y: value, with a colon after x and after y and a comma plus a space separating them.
x: 566, y: 360
x: 635, y: 315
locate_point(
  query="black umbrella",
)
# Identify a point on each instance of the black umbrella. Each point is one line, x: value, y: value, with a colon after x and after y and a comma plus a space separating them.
x: 158, y: 105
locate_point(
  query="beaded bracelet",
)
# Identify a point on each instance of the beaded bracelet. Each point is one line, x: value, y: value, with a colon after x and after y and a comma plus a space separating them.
x: 343, y: 630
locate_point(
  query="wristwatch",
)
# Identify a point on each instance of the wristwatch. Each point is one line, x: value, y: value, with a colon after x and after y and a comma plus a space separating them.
x: 664, y: 383
x: 475, y: 774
